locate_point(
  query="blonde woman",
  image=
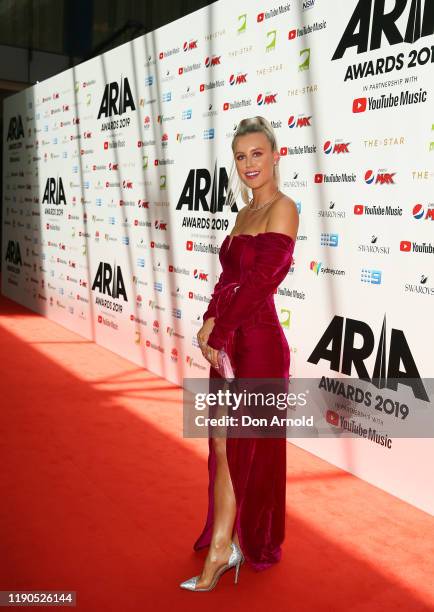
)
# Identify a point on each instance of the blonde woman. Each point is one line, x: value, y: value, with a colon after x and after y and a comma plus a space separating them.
x: 247, y: 476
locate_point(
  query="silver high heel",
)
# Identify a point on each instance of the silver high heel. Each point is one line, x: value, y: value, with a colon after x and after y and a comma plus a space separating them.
x: 235, y: 560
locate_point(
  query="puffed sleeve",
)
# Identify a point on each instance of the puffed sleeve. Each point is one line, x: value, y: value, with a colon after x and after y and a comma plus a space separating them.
x: 211, y: 310
x: 271, y: 264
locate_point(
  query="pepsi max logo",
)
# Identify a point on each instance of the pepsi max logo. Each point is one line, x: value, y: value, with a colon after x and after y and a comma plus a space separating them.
x: 188, y: 46
x: 266, y: 99
x: 419, y: 212
x: 236, y: 80
x: 300, y: 121
x: 200, y: 275
x: 337, y: 147
x: 212, y: 61
x: 381, y: 178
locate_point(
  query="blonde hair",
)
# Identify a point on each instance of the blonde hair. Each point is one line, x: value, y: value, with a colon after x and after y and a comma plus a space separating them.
x: 249, y: 126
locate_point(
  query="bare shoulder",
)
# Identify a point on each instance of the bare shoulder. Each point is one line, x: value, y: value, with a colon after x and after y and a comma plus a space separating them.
x: 241, y: 212
x: 284, y: 206
x: 239, y: 218
x: 284, y: 217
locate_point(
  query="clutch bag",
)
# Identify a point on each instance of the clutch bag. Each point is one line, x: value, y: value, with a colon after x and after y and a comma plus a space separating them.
x: 225, y: 366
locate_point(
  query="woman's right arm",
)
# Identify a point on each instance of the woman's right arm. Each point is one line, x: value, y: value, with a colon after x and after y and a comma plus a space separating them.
x: 211, y: 310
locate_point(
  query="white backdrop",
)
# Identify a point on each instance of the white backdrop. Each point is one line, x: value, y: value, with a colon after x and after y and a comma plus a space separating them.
x: 114, y: 175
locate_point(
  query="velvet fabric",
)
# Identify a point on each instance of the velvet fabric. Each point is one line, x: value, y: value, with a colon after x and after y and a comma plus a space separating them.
x: 248, y: 328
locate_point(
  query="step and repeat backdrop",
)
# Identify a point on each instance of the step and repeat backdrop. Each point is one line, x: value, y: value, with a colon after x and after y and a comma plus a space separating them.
x: 115, y: 174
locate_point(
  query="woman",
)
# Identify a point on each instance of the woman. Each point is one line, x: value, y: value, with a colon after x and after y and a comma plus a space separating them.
x: 247, y: 476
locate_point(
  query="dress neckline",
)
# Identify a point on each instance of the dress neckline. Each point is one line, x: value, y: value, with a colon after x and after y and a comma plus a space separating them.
x: 255, y: 235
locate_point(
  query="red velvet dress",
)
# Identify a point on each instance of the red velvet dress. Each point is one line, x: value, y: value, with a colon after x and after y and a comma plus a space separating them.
x: 247, y: 326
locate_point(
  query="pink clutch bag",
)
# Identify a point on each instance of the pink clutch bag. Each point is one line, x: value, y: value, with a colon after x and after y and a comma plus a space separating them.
x: 225, y: 366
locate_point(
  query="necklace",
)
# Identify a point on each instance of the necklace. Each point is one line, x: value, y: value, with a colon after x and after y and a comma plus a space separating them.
x: 263, y: 205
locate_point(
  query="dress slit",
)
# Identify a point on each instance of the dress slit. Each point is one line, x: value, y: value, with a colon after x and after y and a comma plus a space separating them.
x: 259, y: 350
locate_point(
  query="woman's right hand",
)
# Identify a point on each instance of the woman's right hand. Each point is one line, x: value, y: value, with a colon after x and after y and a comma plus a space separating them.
x: 202, y: 338
x: 205, y: 331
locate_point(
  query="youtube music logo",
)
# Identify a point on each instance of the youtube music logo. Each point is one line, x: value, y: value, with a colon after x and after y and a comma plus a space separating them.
x: 416, y: 247
x: 332, y: 417
x: 359, y: 105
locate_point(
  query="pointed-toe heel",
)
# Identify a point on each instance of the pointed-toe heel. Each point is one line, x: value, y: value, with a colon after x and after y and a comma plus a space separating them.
x: 235, y: 560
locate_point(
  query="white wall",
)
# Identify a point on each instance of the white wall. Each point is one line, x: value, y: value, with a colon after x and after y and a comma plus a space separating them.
x: 367, y: 269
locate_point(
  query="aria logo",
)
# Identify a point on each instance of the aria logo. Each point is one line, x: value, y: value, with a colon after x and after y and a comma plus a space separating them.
x: 109, y: 281
x: 370, y: 25
x: 54, y: 192
x: 13, y: 253
x: 345, y: 343
x: 199, y: 183
x: 117, y: 99
x: 16, y: 130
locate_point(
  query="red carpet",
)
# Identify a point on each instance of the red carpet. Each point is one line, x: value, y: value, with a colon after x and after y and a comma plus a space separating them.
x: 103, y: 496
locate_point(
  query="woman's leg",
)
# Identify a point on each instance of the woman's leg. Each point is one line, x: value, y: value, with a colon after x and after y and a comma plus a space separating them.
x: 224, y: 517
